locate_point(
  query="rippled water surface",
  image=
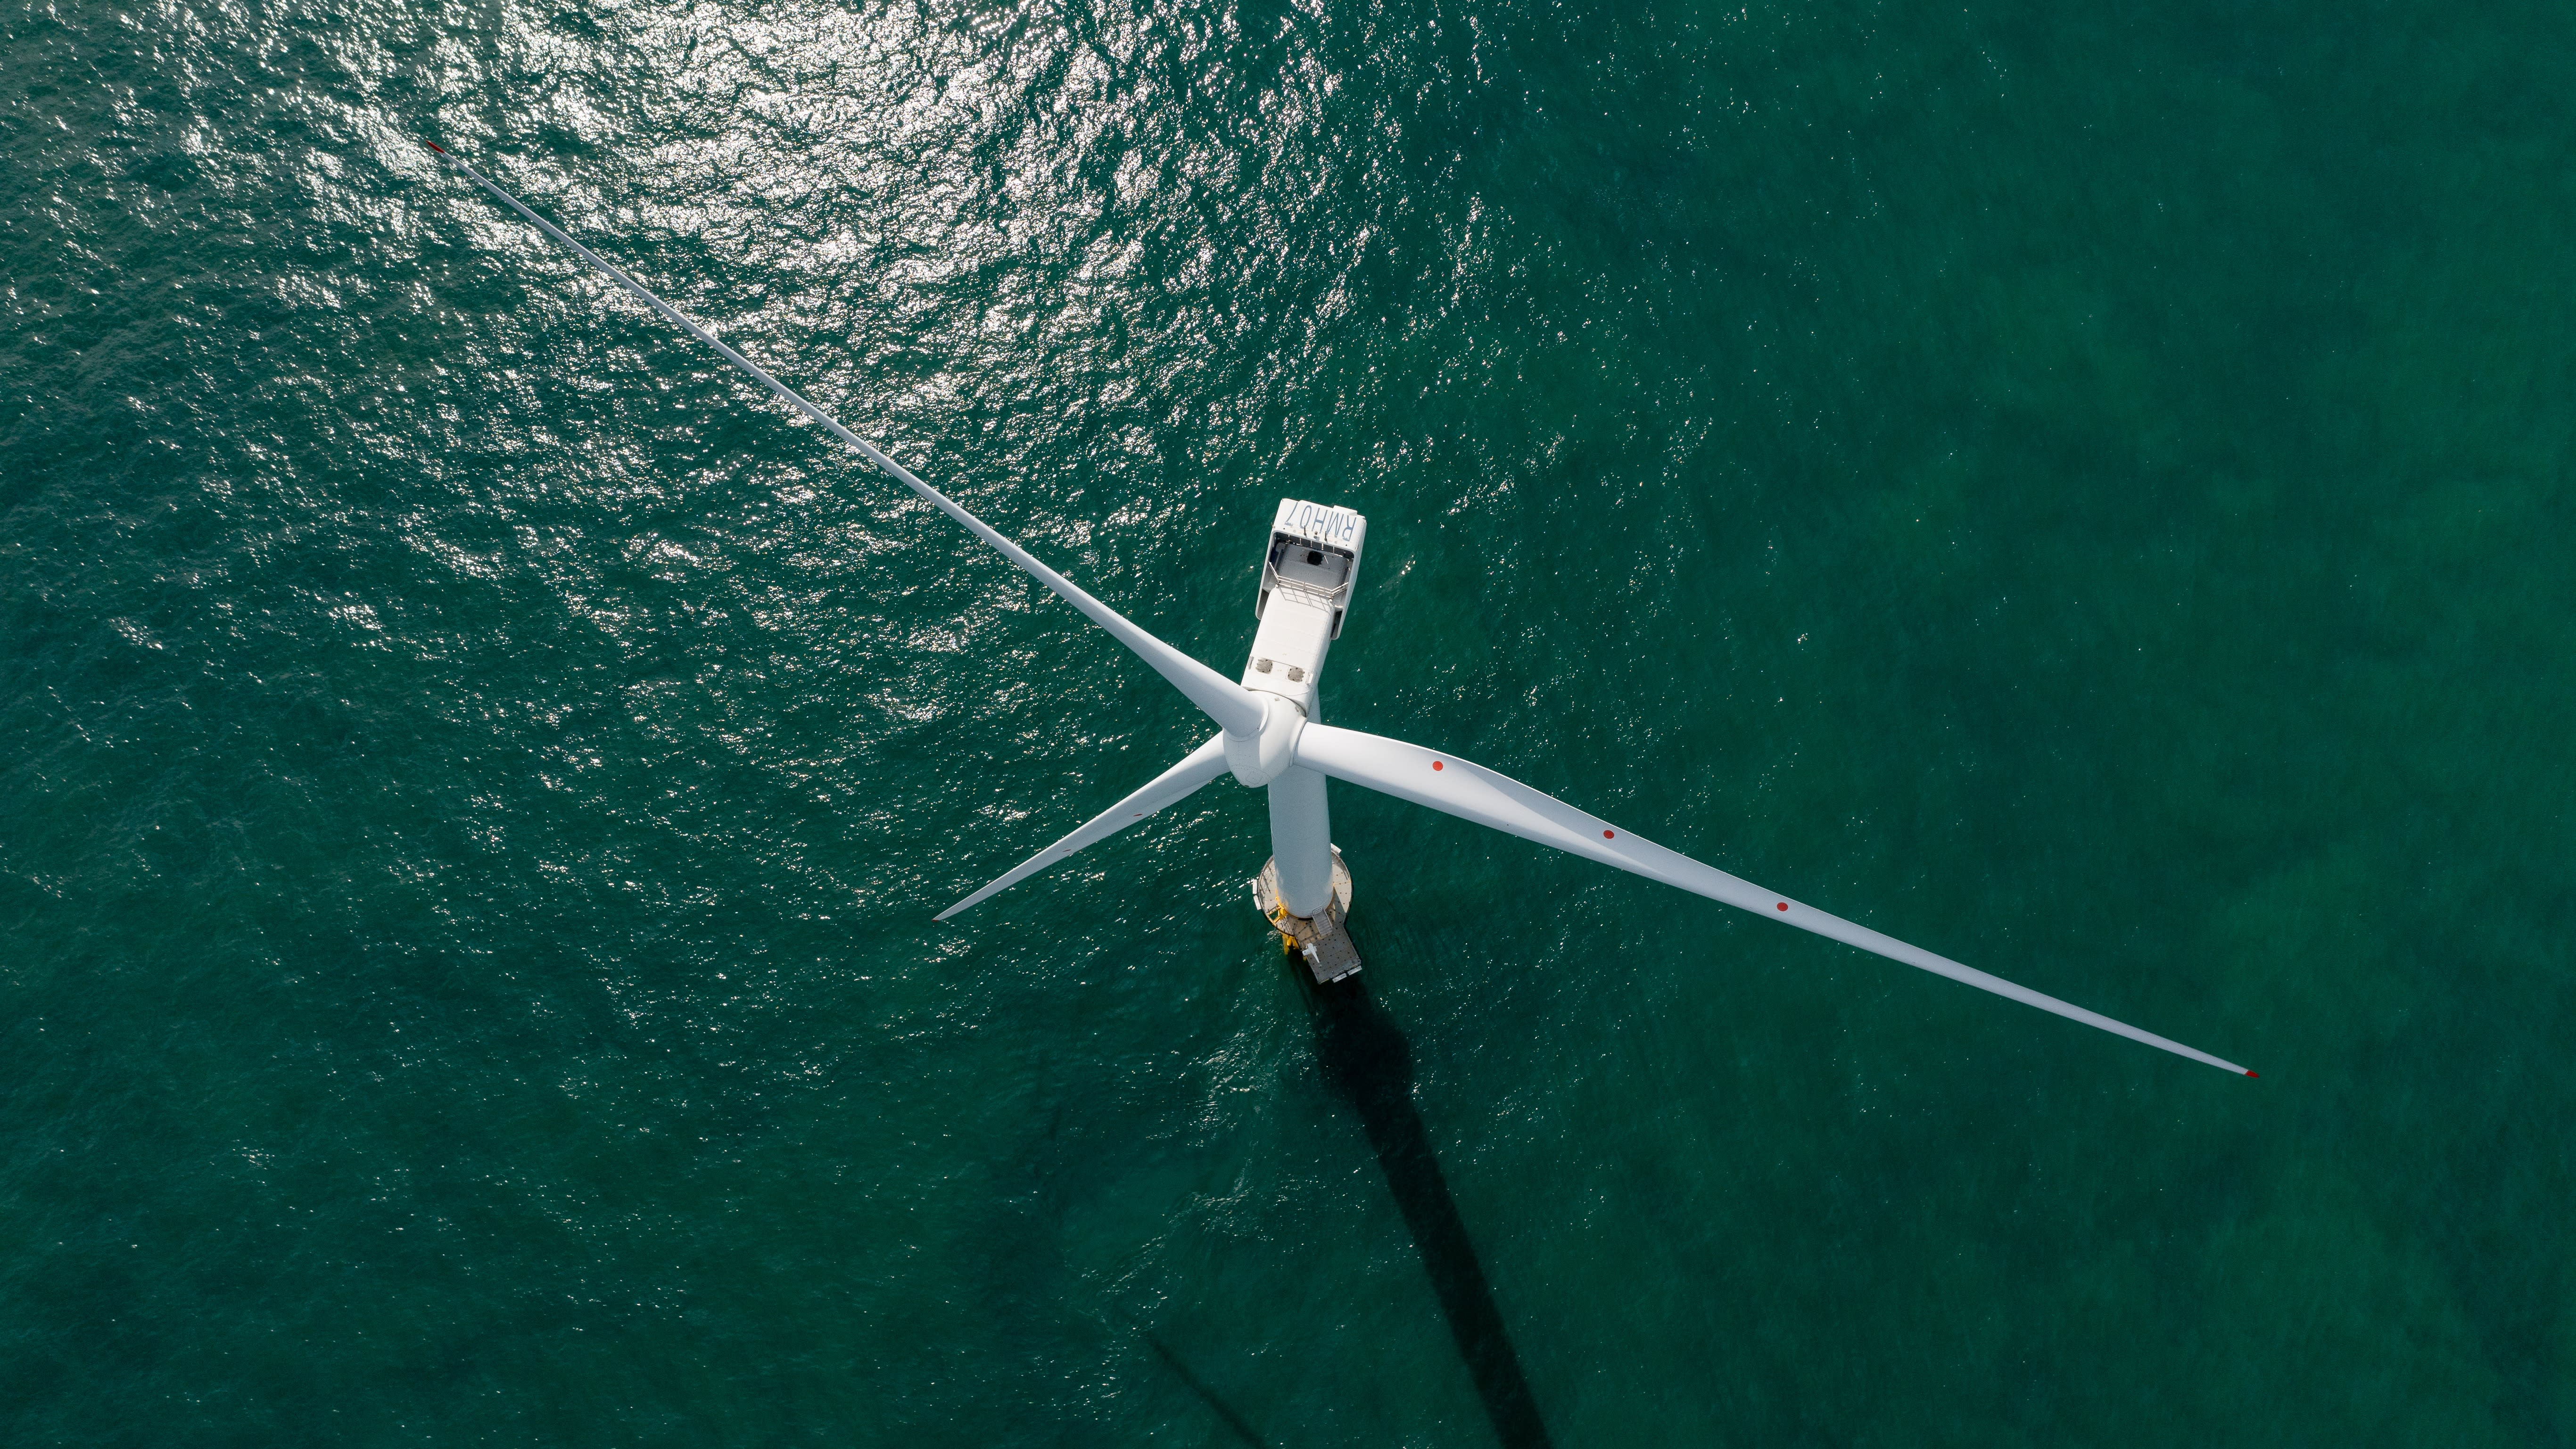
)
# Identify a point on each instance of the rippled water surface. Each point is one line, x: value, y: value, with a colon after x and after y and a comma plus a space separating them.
x: 2083, y: 489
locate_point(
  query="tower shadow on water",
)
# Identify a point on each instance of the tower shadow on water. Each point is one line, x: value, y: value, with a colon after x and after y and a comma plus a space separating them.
x: 1368, y: 1064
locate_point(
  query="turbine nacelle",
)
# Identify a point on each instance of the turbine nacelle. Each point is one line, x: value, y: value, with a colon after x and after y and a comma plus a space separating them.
x: 1307, y: 574
x: 1306, y: 579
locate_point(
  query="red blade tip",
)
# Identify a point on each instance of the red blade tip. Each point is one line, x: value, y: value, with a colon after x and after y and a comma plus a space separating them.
x: 2253, y: 1074
x: 434, y: 146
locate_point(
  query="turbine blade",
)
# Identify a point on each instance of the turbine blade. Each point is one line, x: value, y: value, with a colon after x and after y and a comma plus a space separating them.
x: 1472, y: 792
x: 1203, y: 764
x: 1229, y: 704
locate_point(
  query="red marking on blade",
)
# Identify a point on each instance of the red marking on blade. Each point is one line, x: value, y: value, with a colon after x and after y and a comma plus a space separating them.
x: 2253, y: 1074
x: 1784, y: 905
x: 1606, y: 834
x: 434, y: 146
x: 1435, y: 764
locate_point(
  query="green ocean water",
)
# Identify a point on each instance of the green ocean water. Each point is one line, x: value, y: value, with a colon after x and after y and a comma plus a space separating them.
x: 2085, y: 489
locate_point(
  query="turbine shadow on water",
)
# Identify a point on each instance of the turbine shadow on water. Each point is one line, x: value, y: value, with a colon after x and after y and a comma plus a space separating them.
x: 1369, y: 1065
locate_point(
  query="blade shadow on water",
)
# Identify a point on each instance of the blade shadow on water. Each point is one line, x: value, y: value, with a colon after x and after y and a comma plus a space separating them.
x: 1225, y: 1412
x: 1369, y: 1064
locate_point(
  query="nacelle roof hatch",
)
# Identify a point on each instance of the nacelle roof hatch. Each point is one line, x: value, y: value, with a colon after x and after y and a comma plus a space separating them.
x: 1314, y: 553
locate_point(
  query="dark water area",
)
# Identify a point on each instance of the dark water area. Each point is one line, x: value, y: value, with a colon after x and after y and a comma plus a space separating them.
x: 2083, y: 490
x: 1369, y: 1064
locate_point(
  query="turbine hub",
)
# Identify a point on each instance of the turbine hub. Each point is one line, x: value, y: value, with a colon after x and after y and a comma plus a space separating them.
x: 1258, y: 759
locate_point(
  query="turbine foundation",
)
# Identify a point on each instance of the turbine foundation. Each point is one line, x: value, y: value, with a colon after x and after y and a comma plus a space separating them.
x: 1321, y: 939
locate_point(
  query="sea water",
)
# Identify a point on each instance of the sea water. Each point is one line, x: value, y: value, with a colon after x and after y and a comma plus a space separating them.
x: 2082, y: 489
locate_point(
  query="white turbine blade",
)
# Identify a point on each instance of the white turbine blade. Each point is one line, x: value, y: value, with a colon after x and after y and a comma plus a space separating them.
x: 1229, y: 704
x: 1204, y: 764
x: 1472, y: 792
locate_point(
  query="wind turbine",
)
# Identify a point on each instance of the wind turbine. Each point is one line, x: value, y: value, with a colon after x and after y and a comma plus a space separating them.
x: 1269, y: 736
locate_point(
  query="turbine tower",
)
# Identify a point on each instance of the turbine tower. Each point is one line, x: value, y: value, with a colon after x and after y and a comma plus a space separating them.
x: 1269, y: 734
